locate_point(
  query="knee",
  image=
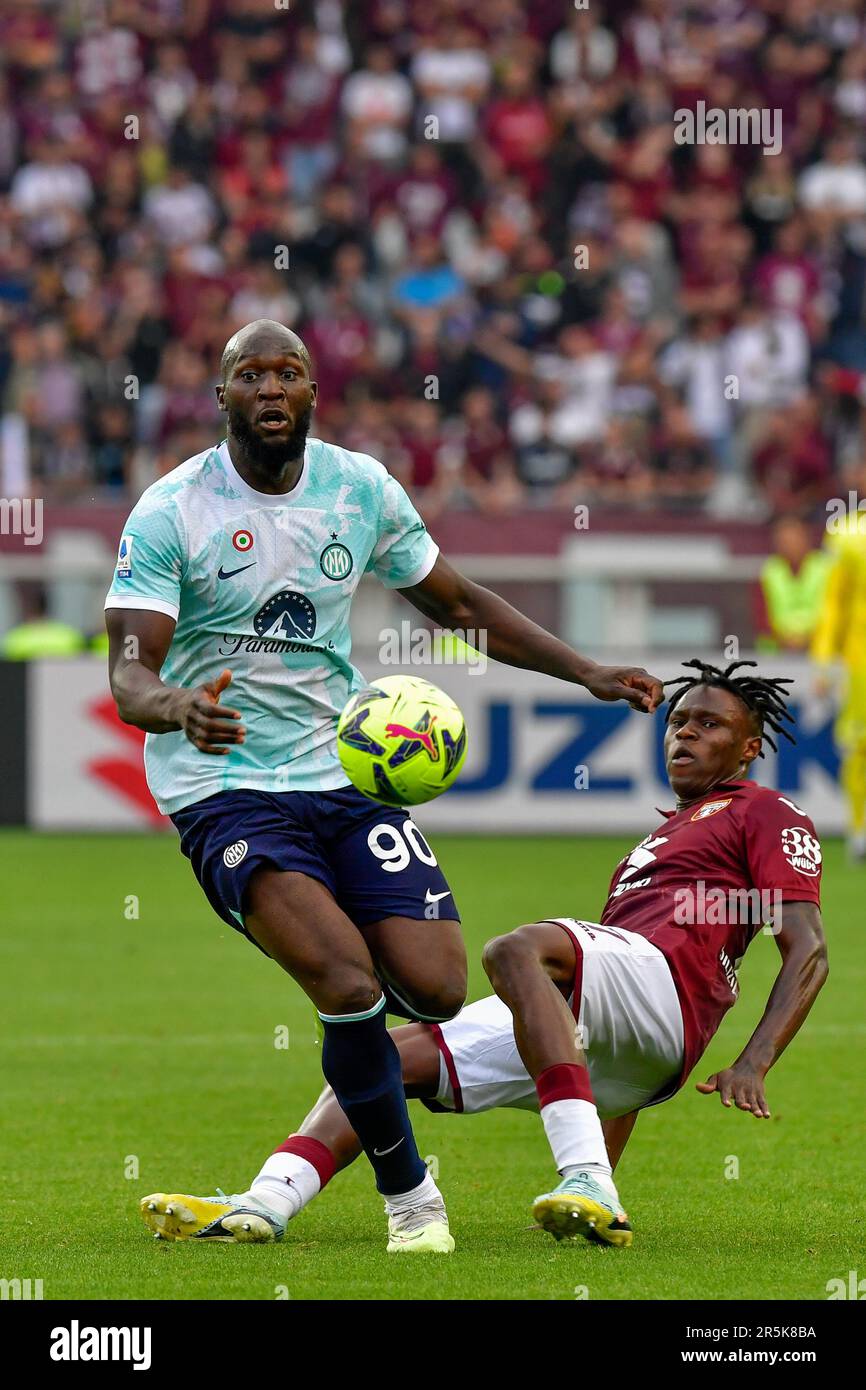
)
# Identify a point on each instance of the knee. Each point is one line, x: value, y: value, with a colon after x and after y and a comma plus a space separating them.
x: 450, y: 998
x: 439, y: 1001
x: 346, y: 991
x: 500, y: 954
x: 452, y: 986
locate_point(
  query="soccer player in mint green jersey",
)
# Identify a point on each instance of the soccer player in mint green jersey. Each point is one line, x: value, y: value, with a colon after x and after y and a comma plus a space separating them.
x: 238, y: 569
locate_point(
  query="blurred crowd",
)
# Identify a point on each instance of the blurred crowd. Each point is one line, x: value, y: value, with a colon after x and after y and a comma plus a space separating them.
x: 518, y: 288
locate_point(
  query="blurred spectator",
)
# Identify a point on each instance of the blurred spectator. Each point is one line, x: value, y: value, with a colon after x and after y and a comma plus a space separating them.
x: 171, y: 84
x: 452, y: 72
x: 682, y: 463
x: 768, y: 361
x: 618, y: 471
x: 835, y: 187
x: 542, y: 433
x: 788, y: 279
x: 424, y: 192
x: 340, y: 339
x: 645, y: 272
x: 264, y: 294
x: 849, y: 97
x: 423, y: 463
x: 428, y: 281
x: 792, y: 458
x: 37, y: 635
x: 695, y: 365
x: 377, y: 103
x: 50, y: 192
x: 311, y: 91
x: 186, y: 395
x: 56, y: 385
x: 180, y: 210
x: 585, y: 49
x: 793, y: 583
x: 483, y: 460
x: 518, y: 127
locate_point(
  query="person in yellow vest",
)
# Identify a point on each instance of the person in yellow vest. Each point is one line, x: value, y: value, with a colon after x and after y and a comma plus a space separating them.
x: 38, y: 635
x: 840, y: 640
x: 793, y: 581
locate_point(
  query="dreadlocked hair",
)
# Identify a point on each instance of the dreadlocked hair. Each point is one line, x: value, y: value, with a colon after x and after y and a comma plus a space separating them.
x: 765, y: 696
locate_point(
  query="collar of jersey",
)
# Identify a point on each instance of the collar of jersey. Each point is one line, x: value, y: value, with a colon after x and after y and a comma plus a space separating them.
x: 264, y: 499
x: 709, y: 796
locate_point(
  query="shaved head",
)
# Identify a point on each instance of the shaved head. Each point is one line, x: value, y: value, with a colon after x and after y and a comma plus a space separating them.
x: 269, y: 396
x: 258, y: 335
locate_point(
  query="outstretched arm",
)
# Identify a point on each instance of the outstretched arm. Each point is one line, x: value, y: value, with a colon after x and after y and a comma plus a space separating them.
x: 454, y: 601
x: 800, y: 938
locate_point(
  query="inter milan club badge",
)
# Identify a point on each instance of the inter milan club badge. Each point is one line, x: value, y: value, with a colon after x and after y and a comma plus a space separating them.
x: 336, y: 562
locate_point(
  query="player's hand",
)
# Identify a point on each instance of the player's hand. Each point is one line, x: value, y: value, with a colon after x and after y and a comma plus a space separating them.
x: 741, y: 1085
x: 642, y: 691
x: 208, y: 724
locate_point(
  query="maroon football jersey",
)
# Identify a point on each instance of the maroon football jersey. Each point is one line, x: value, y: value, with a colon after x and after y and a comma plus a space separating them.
x: 701, y: 885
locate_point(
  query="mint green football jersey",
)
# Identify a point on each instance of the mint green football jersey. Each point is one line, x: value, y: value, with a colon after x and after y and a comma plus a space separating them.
x: 262, y: 585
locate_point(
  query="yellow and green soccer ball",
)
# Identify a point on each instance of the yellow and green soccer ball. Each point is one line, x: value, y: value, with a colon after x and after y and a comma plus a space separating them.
x: 401, y: 741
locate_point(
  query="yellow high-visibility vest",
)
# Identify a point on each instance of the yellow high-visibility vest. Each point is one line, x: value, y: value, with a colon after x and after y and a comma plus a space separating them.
x: 44, y: 637
x: 794, y: 600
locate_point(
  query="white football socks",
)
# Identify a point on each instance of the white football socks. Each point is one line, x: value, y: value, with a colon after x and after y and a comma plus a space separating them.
x: 574, y: 1133
x: 425, y: 1192
x: 576, y: 1140
x: 285, y: 1185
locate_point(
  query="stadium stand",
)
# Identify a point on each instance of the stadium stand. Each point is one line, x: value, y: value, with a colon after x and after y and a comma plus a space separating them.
x: 410, y: 184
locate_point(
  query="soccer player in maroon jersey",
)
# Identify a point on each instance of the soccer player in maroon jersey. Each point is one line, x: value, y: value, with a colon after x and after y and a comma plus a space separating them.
x: 732, y: 857
x: 592, y: 1022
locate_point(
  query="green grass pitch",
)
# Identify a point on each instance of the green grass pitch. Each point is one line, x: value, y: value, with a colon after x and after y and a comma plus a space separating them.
x: 139, y: 1054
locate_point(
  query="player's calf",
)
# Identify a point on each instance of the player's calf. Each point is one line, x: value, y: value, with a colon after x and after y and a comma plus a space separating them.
x: 531, y: 969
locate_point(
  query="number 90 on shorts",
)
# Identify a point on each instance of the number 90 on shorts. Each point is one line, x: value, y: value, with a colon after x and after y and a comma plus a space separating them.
x: 394, y: 847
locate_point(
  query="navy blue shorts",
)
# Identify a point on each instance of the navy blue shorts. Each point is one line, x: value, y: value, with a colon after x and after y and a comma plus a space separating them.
x: 372, y: 858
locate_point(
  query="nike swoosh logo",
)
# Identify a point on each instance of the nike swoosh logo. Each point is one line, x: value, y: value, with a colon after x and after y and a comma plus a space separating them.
x: 230, y: 574
x: 380, y: 1153
x: 436, y: 897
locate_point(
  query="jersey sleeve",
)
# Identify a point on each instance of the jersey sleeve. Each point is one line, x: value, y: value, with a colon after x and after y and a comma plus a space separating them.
x: 782, y: 849
x: 404, y: 552
x: 149, y: 562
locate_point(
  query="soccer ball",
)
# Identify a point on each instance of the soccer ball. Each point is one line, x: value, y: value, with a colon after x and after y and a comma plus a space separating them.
x: 401, y: 741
